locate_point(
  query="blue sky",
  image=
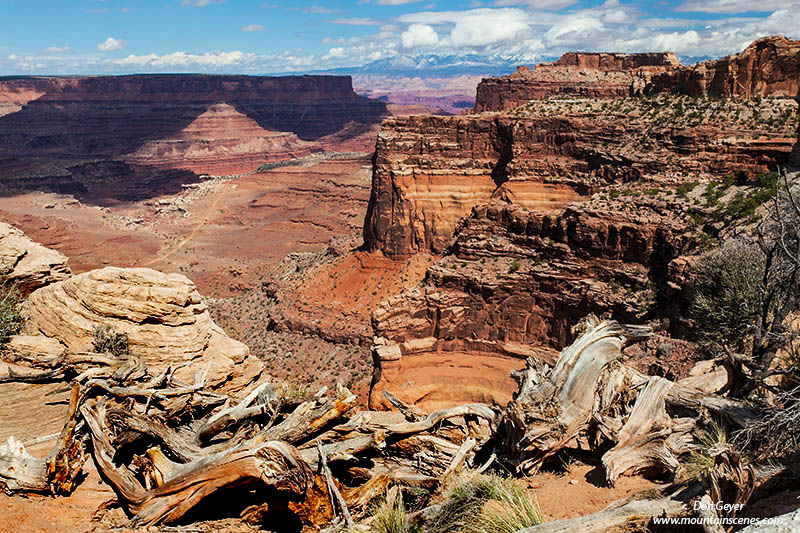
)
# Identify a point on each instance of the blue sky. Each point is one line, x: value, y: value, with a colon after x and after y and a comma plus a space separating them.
x: 267, y: 36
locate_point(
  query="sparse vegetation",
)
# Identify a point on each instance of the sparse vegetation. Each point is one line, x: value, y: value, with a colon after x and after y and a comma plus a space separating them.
x: 390, y: 517
x: 486, y: 504
x: 108, y: 340
x: 746, y: 294
x: 10, y: 320
x: 712, y: 441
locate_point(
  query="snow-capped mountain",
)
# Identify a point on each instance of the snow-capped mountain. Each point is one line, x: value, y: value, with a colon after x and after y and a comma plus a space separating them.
x: 443, y: 65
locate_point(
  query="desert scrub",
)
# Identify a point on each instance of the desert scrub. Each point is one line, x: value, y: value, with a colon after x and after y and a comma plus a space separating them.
x: 391, y: 517
x: 486, y: 504
x: 10, y: 319
x: 108, y: 340
x: 711, y: 442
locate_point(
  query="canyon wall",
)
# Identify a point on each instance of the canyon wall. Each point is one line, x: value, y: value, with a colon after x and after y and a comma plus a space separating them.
x: 430, y: 171
x: 587, y: 75
x: 769, y: 67
x: 518, y: 278
x: 137, y: 135
x: 563, y: 207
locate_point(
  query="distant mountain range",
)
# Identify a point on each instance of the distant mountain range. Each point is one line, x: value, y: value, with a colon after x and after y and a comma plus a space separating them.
x: 444, y: 65
x: 448, y: 65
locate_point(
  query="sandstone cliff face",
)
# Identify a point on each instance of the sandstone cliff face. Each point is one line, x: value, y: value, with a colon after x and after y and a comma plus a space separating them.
x: 27, y: 264
x: 163, y: 315
x: 769, y: 67
x: 588, y: 75
x: 68, y: 128
x: 516, y: 276
x: 430, y: 171
x: 519, y: 278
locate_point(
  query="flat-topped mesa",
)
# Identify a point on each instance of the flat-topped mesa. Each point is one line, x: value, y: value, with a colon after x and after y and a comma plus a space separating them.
x: 612, y: 61
x: 148, y: 133
x: 769, y: 67
x: 584, y: 74
x: 430, y: 171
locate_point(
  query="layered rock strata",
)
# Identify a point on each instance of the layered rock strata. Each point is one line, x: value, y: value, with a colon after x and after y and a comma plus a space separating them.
x: 520, y: 278
x: 515, y: 276
x: 163, y: 315
x: 769, y: 67
x: 587, y: 75
x: 91, y: 135
x: 430, y: 171
x: 27, y: 264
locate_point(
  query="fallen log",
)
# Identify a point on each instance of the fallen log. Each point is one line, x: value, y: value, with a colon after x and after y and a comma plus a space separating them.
x: 641, y: 509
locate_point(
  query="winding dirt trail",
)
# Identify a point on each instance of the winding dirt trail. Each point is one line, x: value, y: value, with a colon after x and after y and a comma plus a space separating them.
x: 211, y: 209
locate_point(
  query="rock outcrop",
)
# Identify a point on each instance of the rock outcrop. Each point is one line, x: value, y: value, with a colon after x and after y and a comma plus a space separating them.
x: 166, y: 321
x: 577, y: 74
x: 518, y: 278
x: 27, y: 264
x: 430, y: 171
x: 130, y: 137
x: 518, y: 272
x: 769, y: 67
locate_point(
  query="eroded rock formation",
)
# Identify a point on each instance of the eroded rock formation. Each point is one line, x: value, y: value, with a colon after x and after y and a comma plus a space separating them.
x: 769, y: 67
x: 27, y: 264
x: 430, y: 171
x: 166, y: 321
x: 518, y: 272
x: 95, y: 135
x: 592, y: 75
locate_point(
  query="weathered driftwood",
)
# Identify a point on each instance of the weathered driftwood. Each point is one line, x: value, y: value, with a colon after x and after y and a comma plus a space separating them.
x: 165, y: 445
x: 649, y: 438
x: 21, y: 471
x: 274, y: 463
x: 639, y: 508
x: 553, y: 405
x: 731, y: 481
x: 591, y: 396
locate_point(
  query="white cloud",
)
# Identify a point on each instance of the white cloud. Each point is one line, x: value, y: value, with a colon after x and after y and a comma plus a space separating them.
x: 320, y: 10
x: 111, y: 44
x: 419, y: 35
x: 737, y: 6
x: 56, y: 49
x: 537, y: 4
x: 253, y: 27
x: 356, y: 21
x: 200, y: 3
x: 183, y: 59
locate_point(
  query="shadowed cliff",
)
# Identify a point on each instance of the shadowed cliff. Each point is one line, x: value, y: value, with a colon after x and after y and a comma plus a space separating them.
x: 86, y: 136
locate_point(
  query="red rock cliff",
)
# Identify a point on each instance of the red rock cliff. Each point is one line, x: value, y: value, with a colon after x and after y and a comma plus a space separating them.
x: 430, y: 171
x: 769, y: 67
x: 141, y: 132
x: 595, y: 75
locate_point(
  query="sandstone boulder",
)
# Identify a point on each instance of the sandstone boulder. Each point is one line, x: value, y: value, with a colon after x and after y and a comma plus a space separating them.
x: 163, y: 315
x: 28, y: 264
x: 38, y: 346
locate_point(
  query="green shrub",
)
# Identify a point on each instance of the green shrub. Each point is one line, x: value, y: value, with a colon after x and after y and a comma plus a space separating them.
x: 10, y: 319
x: 514, y: 266
x: 685, y: 188
x: 107, y: 340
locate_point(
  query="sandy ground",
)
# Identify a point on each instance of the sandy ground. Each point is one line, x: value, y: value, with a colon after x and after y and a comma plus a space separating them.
x: 219, y: 234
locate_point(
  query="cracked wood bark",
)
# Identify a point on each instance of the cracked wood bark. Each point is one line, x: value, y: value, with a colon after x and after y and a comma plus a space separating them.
x: 274, y: 463
x: 649, y: 438
x: 553, y: 406
x: 620, y: 514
